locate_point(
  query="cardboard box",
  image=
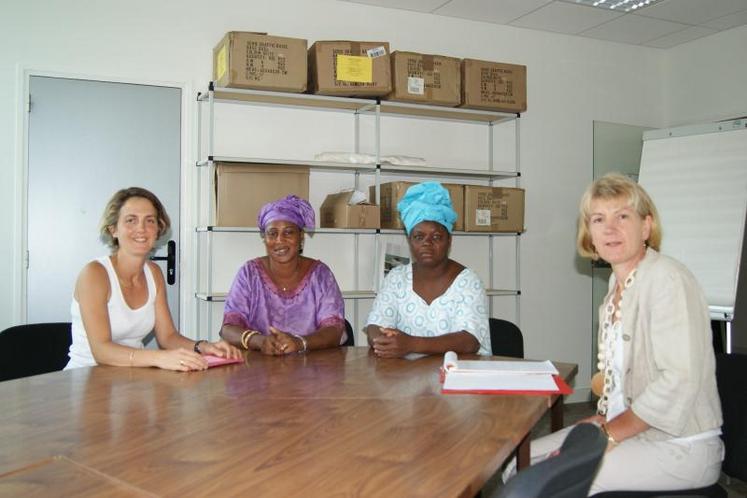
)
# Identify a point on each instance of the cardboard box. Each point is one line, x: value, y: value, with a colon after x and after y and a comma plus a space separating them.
x: 335, y: 212
x: 493, y: 209
x: 242, y: 189
x: 426, y: 79
x: 349, y: 68
x: 392, y: 192
x: 494, y: 86
x: 261, y: 62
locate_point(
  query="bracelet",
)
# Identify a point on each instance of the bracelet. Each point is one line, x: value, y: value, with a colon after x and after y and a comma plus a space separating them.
x: 610, y: 437
x: 246, y: 336
x: 132, y: 356
x: 197, y: 346
x: 303, y: 341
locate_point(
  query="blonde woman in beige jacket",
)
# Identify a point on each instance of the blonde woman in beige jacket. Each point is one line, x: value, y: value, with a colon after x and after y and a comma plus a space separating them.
x: 658, y: 404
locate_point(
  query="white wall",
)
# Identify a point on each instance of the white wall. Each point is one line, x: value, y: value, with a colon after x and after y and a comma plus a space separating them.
x: 706, y: 80
x: 571, y: 82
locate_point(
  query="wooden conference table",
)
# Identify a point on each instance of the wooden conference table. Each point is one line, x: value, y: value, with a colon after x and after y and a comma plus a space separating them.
x: 330, y: 423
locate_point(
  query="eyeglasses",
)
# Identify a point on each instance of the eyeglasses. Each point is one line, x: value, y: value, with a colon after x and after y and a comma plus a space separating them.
x: 286, y: 233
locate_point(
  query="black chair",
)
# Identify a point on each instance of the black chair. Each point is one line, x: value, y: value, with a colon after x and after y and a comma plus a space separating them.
x: 34, y: 349
x: 506, y: 339
x: 568, y: 474
x: 731, y: 370
x: 351, y: 335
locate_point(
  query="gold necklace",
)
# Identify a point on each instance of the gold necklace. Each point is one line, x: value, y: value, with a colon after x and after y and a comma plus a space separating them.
x: 292, y: 276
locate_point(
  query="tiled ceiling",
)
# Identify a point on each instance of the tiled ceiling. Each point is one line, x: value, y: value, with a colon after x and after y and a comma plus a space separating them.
x: 661, y: 25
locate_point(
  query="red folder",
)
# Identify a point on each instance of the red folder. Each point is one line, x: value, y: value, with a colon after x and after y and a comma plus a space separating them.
x: 563, y: 389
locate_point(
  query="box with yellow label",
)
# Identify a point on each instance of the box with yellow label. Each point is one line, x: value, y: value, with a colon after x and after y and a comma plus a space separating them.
x: 493, y: 209
x: 349, y: 68
x: 426, y: 79
x: 261, y: 62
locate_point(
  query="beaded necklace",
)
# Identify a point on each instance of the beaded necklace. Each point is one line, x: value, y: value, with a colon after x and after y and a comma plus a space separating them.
x: 606, y: 355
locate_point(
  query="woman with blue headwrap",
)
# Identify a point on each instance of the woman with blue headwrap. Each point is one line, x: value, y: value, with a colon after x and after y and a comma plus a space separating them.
x: 283, y: 302
x: 433, y: 304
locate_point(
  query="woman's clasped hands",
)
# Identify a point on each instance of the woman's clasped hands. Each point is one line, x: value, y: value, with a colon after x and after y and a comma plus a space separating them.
x: 281, y: 343
x: 392, y: 343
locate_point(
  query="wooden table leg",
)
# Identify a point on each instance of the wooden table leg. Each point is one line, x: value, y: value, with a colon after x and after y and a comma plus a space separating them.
x: 556, y: 414
x: 522, y: 452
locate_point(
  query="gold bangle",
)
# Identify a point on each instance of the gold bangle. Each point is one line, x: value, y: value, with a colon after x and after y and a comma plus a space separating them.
x: 246, y: 336
x: 132, y: 356
x: 610, y: 437
x: 243, y: 338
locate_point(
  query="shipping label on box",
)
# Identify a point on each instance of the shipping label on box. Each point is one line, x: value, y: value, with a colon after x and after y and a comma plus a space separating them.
x: 426, y: 79
x: 494, y: 86
x: 335, y: 212
x: 242, y: 189
x: 349, y: 68
x: 392, y: 192
x: 493, y: 209
x: 259, y: 61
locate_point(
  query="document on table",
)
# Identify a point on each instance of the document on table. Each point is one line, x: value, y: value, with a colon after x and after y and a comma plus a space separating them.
x: 501, y: 377
x: 216, y: 361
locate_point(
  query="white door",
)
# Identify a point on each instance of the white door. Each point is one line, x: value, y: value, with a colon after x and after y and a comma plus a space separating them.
x: 88, y: 139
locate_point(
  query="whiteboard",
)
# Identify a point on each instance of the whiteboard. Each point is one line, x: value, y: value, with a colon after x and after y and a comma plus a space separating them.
x: 697, y: 177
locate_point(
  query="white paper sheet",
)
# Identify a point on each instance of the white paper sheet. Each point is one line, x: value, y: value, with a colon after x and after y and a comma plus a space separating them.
x: 492, y: 381
x: 451, y: 363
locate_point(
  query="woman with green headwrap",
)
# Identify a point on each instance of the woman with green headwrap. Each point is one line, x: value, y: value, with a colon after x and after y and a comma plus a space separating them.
x: 433, y: 304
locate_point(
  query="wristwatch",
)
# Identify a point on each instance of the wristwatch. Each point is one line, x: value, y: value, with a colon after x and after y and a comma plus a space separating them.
x: 197, y: 346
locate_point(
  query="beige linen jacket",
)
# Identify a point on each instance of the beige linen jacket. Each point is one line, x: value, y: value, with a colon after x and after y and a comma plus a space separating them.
x: 669, y: 368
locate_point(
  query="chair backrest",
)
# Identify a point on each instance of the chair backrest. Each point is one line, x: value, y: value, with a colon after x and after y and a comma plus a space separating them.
x: 568, y: 474
x: 350, y: 341
x: 34, y: 349
x: 506, y: 339
x: 731, y: 372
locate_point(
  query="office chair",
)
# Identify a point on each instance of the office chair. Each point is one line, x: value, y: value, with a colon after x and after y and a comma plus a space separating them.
x: 506, y: 339
x: 350, y: 341
x: 568, y: 474
x: 731, y: 370
x: 34, y: 349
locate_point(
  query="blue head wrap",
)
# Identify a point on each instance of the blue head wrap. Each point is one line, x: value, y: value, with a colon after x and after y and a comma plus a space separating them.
x: 290, y: 208
x: 427, y: 201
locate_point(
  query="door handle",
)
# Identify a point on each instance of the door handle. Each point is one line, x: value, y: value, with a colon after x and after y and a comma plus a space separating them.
x: 170, y: 259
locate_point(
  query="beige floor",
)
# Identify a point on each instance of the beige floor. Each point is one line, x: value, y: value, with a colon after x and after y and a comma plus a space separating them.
x: 577, y: 411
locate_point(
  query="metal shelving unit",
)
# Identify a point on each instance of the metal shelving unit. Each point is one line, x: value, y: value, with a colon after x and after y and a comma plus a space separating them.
x: 357, y: 107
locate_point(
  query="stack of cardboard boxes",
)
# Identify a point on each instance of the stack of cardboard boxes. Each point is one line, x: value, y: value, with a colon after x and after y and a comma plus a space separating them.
x: 366, y: 69
x: 479, y: 208
x: 362, y: 69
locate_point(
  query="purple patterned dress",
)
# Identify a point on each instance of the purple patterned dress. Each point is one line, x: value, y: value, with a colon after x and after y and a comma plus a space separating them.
x: 255, y: 302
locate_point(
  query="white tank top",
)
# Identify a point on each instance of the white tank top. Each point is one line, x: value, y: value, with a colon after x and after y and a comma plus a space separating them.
x: 128, y: 326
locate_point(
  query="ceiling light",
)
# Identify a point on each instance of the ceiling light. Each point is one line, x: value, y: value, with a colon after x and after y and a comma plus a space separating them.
x: 619, y: 5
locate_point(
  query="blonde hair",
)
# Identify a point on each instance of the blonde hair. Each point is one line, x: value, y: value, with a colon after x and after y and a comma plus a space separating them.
x: 615, y: 186
x: 114, y: 206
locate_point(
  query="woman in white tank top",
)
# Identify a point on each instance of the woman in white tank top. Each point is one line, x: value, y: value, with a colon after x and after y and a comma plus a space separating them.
x: 120, y: 298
